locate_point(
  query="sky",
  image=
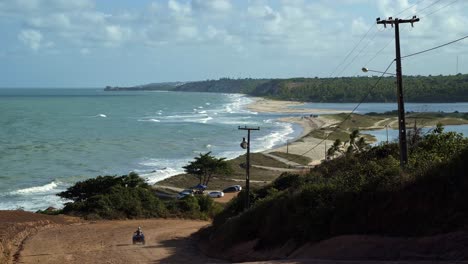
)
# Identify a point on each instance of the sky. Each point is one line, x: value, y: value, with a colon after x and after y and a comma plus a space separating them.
x: 94, y: 43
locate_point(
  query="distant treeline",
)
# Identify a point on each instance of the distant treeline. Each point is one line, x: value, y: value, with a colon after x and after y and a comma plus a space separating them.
x: 452, y: 88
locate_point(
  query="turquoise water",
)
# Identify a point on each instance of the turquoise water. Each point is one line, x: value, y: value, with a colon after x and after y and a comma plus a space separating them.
x: 51, y: 138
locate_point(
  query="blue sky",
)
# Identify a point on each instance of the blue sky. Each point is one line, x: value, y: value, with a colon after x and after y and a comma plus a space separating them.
x: 91, y: 43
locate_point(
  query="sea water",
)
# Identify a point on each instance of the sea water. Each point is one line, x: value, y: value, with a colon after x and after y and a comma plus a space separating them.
x: 52, y: 138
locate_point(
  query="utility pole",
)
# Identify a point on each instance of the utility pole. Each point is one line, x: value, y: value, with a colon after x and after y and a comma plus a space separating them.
x: 401, y: 107
x: 386, y: 128
x: 246, y: 145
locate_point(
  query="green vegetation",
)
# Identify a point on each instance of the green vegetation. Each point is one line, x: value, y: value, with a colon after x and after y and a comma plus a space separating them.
x: 205, y: 166
x: 236, y: 177
x: 357, y: 193
x: 223, y: 85
x: 353, y: 89
x: 129, y: 196
x: 452, y: 88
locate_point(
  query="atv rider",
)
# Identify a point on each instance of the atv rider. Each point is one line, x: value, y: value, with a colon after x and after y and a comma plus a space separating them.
x: 139, y: 232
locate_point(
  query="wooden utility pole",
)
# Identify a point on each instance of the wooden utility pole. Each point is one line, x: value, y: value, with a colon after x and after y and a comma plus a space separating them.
x: 401, y: 107
x: 246, y: 145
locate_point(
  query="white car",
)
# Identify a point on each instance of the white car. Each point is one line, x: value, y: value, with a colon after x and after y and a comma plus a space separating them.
x: 216, y: 194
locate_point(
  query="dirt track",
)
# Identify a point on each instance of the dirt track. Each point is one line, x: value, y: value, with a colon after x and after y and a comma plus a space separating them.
x: 167, y: 241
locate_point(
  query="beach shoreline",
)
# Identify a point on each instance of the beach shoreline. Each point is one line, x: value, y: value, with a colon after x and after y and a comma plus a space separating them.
x: 303, y: 145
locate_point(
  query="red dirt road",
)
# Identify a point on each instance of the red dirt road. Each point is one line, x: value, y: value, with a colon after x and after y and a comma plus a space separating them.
x: 167, y: 241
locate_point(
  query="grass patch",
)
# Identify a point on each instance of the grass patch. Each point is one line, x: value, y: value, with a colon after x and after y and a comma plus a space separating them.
x: 237, y: 177
x: 322, y: 134
x: 297, y: 158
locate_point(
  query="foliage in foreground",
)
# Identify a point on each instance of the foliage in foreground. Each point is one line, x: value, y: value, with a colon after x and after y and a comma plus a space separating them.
x: 129, y: 196
x: 363, y: 193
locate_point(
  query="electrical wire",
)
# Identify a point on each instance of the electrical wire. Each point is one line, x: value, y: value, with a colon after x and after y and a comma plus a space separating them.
x: 435, y: 2
x: 409, y: 7
x: 352, y: 50
x: 378, y: 52
x: 440, y: 46
x: 449, y: 4
x: 363, y: 37
x: 349, y: 114
x: 359, y: 53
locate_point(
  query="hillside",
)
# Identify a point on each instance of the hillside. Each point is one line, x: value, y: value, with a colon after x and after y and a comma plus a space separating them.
x: 360, y: 194
x: 452, y: 88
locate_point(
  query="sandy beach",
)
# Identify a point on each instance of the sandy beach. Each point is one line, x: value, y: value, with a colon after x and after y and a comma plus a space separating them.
x: 304, y: 145
x: 277, y: 106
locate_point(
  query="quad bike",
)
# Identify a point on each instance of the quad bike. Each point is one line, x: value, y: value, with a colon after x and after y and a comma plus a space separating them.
x: 138, y: 238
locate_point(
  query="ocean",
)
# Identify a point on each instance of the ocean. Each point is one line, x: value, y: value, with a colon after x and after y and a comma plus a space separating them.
x: 52, y: 138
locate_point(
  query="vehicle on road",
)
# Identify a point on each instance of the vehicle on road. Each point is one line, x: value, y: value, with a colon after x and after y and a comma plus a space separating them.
x: 216, y: 194
x: 234, y: 188
x: 184, y: 194
x: 138, y: 237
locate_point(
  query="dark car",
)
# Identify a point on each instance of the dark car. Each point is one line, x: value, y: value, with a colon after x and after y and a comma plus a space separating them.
x: 230, y: 189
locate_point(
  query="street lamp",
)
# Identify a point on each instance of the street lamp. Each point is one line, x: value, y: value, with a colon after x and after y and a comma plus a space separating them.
x: 364, y: 69
x: 246, y: 145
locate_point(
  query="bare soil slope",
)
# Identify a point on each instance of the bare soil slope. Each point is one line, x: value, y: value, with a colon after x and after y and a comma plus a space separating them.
x: 15, y: 226
x: 167, y: 241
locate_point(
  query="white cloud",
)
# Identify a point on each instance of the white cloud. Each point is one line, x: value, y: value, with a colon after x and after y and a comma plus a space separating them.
x: 31, y: 38
x: 85, y: 51
x: 212, y: 5
x: 359, y: 26
x: 392, y: 7
x: 179, y: 9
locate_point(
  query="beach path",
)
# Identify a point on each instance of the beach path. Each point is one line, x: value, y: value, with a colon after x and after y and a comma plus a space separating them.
x: 167, y: 241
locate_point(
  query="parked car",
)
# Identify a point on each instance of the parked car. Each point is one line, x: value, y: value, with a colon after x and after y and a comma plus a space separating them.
x: 234, y: 188
x: 216, y: 194
x: 183, y: 194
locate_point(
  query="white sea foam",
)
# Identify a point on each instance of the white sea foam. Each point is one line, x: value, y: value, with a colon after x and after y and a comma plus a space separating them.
x: 275, y: 138
x: 149, y: 120
x: 34, y: 198
x: 161, y: 169
x: 38, y: 189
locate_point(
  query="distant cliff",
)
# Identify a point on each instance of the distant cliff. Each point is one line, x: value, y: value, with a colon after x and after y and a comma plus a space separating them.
x: 165, y: 86
x: 223, y: 85
x: 452, y: 88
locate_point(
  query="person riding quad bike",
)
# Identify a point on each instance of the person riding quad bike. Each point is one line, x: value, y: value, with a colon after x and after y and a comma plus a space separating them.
x: 138, y: 236
x: 139, y: 232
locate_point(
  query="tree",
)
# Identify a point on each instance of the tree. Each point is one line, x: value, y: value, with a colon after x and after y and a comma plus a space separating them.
x: 334, y: 148
x: 83, y: 190
x: 205, y: 166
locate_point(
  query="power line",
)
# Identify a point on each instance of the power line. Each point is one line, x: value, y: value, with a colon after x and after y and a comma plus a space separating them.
x: 440, y: 46
x: 352, y: 50
x: 449, y: 4
x: 349, y: 114
x: 358, y: 54
x: 378, y: 52
x: 363, y: 37
x: 435, y: 2
x: 409, y: 7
